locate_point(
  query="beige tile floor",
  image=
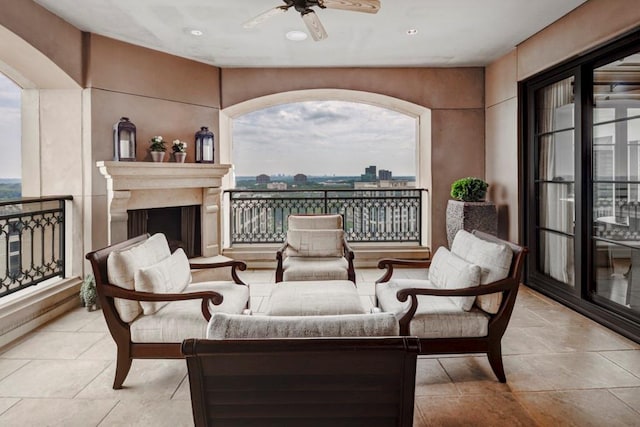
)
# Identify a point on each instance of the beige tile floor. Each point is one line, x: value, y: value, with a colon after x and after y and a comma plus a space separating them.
x: 562, y: 369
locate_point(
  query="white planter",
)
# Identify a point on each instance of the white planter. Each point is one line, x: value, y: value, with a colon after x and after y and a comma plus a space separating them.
x: 179, y: 157
x: 157, y: 156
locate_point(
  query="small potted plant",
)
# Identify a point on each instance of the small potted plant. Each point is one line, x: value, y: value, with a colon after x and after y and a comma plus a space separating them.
x: 89, y: 293
x: 179, y: 150
x: 157, y: 148
x: 469, y: 210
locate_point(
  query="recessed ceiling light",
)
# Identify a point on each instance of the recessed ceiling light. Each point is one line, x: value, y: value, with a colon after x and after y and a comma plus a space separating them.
x: 196, y: 32
x: 412, y: 32
x: 296, y: 36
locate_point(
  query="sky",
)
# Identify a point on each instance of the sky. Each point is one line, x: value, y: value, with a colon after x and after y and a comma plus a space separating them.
x: 10, y: 126
x: 323, y: 138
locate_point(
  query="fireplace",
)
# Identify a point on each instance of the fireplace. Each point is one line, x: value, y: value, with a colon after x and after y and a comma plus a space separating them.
x: 162, y: 190
x: 180, y: 224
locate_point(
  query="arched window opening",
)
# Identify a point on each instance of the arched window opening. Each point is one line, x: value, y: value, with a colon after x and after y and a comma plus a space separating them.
x: 326, y: 156
x: 10, y: 135
x: 324, y: 144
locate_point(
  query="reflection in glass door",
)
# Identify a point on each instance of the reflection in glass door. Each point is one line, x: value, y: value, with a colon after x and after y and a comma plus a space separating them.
x: 616, y: 181
x: 555, y: 180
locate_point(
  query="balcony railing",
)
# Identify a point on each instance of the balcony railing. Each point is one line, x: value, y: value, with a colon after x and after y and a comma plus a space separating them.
x: 380, y: 215
x: 32, y: 241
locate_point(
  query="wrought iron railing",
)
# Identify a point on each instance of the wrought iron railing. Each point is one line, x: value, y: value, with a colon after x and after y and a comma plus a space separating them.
x: 32, y: 241
x: 380, y: 215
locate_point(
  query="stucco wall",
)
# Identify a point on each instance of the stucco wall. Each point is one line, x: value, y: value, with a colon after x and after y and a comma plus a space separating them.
x: 161, y: 94
x: 54, y: 38
x: 590, y: 25
x: 455, y: 96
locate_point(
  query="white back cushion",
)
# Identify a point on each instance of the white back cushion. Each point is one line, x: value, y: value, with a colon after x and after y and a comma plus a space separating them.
x: 169, y: 276
x: 493, y: 258
x: 122, y: 267
x: 449, y: 271
x: 315, y: 243
x: 314, y: 222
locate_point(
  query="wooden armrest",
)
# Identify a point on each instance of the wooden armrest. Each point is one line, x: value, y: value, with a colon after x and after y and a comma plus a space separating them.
x: 206, y: 296
x: 389, y: 263
x: 499, y: 286
x: 280, y: 251
x: 234, y: 264
x: 348, y: 252
x: 240, y: 265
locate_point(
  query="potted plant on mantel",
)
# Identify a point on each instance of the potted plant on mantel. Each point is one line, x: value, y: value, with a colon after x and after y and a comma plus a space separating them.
x: 179, y: 150
x: 157, y: 148
x: 469, y: 210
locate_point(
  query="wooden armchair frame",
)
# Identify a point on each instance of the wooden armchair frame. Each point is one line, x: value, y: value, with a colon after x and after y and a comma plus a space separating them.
x: 120, y: 330
x: 489, y: 344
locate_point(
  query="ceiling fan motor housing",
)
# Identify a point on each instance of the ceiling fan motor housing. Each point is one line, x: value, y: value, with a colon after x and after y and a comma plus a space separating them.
x: 304, y: 5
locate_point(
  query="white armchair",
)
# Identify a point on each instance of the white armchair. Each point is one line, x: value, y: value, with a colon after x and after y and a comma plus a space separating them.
x: 150, y: 303
x: 466, y: 304
x: 315, y: 249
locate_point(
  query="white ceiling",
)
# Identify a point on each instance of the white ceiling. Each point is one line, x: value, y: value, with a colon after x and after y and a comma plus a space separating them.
x: 450, y: 32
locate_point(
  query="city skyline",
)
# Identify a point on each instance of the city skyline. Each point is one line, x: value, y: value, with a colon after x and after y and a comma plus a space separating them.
x: 323, y: 138
x: 10, y: 129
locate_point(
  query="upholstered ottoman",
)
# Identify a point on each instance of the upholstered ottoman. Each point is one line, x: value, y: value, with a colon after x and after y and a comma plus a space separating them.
x: 308, y: 298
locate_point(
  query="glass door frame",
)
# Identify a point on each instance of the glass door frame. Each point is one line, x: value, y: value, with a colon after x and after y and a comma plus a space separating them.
x: 530, y: 194
x: 582, y: 297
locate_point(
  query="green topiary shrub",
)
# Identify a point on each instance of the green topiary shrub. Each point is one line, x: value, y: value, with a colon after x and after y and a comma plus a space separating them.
x: 469, y: 189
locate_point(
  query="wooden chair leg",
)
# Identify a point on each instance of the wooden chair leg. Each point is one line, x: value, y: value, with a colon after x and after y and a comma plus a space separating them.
x: 495, y: 360
x: 123, y: 364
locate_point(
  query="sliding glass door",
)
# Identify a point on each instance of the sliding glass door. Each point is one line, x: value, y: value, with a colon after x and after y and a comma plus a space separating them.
x: 616, y: 181
x: 580, y: 132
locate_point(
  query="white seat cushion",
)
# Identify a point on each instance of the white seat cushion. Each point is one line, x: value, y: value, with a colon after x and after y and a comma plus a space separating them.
x: 169, y: 276
x: 123, y: 265
x: 225, y: 326
x: 315, y: 243
x: 493, y: 258
x: 307, y: 298
x: 449, y: 271
x: 436, y: 317
x: 315, y: 268
x: 179, y: 320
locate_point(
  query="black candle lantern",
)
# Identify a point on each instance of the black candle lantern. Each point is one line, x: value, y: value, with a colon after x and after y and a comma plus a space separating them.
x: 204, y: 145
x: 124, y: 140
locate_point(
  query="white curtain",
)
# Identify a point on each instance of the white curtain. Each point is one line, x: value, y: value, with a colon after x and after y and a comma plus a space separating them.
x: 556, y: 203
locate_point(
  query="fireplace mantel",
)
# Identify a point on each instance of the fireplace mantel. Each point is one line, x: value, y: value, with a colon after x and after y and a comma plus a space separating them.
x: 149, y: 175
x: 146, y: 185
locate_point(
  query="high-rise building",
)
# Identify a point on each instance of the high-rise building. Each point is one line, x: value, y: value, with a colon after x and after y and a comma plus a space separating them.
x: 385, y: 175
x: 263, y: 179
x: 369, y: 174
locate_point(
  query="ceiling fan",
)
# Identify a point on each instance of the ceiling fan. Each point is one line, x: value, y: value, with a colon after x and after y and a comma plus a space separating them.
x: 309, y: 16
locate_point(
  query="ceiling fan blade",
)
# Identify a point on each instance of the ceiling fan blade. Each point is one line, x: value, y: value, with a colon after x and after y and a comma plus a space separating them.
x: 265, y: 15
x: 314, y: 25
x: 368, y: 6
